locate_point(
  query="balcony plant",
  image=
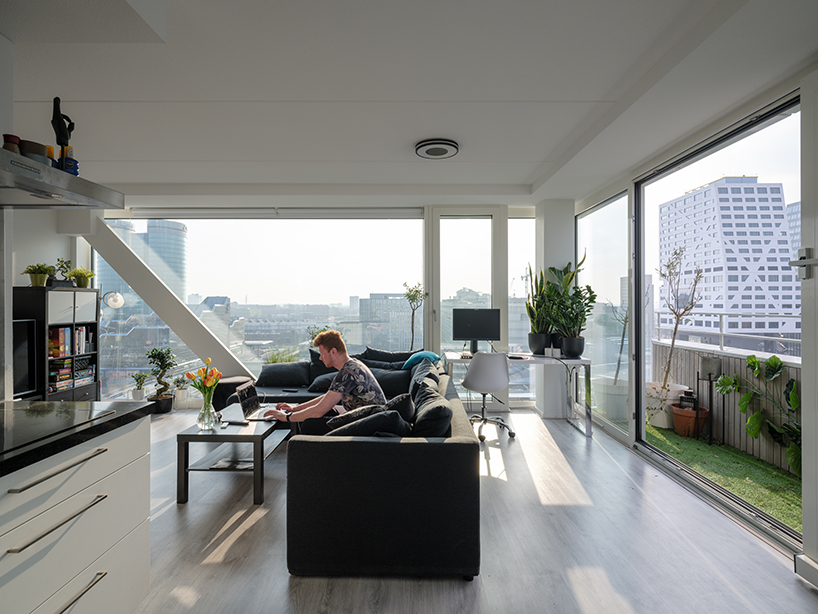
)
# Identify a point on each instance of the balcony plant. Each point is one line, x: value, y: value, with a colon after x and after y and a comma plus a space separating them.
x: 81, y: 276
x: 38, y: 273
x: 162, y: 360
x: 680, y: 300
x: 785, y: 404
x: 139, y: 381
x: 415, y: 296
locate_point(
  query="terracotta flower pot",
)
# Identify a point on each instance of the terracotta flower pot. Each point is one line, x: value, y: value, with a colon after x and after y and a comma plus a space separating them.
x: 684, y: 420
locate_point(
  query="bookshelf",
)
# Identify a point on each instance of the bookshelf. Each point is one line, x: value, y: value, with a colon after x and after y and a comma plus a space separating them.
x: 66, y: 340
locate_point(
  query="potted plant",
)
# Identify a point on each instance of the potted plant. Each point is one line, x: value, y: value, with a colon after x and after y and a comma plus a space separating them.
x: 162, y: 360
x: 415, y: 296
x: 537, y: 308
x: 680, y: 301
x: 570, y: 315
x: 63, y: 268
x: 180, y: 390
x: 38, y: 273
x: 789, y: 433
x: 81, y: 276
x: 139, y: 379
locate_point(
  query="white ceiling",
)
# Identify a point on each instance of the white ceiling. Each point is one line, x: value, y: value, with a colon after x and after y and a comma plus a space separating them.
x: 254, y: 103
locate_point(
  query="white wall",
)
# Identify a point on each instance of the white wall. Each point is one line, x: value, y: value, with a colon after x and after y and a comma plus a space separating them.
x: 36, y: 240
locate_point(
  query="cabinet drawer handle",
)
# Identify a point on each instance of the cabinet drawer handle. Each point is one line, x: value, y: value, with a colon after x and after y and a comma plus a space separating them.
x: 57, y: 526
x: 97, y: 452
x: 100, y: 575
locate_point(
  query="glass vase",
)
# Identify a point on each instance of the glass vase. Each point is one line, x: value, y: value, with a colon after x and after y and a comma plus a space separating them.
x: 206, y: 420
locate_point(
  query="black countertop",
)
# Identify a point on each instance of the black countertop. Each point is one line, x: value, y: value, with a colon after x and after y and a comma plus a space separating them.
x: 31, y: 431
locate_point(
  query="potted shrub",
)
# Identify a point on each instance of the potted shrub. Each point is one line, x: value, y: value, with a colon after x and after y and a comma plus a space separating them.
x: 680, y: 301
x: 38, y: 273
x: 180, y: 390
x: 415, y: 296
x: 81, y: 276
x: 63, y: 268
x: 162, y: 360
x: 789, y: 433
x: 570, y: 315
x: 139, y: 379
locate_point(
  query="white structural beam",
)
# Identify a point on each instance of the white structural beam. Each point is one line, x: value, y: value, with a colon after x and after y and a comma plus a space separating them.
x: 152, y: 290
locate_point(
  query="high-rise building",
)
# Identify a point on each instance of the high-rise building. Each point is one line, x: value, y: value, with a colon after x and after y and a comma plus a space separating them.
x: 735, y: 230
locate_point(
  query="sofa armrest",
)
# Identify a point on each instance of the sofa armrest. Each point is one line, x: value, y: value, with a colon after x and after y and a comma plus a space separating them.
x: 371, y: 506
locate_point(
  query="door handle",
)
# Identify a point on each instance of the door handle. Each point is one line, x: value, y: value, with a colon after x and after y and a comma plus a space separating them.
x: 804, y: 262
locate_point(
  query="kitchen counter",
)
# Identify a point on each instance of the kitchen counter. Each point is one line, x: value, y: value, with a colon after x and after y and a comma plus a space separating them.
x: 31, y: 431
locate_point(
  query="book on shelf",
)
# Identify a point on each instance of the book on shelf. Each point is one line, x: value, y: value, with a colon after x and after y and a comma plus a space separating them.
x: 84, y: 381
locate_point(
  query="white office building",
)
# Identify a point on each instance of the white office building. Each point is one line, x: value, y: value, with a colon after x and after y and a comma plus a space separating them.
x: 736, y: 231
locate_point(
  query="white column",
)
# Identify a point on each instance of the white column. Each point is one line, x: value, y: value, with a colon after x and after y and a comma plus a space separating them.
x: 806, y: 564
x: 6, y: 226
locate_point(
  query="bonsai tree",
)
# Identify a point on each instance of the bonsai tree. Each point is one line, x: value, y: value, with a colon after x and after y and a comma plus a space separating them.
x: 162, y: 360
x: 415, y: 296
x: 139, y: 380
x: 789, y: 433
x: 680, y: 300
x: 64, y: 268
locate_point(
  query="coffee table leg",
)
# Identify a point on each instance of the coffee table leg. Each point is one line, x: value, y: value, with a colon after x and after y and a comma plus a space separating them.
x: 258, y: 472
x: 182, y: 460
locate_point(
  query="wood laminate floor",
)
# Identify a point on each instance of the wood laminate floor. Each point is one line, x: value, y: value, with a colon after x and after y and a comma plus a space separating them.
x: 568, y: 525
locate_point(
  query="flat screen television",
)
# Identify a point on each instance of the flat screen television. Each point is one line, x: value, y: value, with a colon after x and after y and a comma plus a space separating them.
x: 25, y: 356
x: 475, y: 325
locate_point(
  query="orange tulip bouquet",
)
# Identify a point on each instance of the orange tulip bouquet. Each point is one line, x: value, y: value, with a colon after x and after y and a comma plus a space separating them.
x: 205, y: 381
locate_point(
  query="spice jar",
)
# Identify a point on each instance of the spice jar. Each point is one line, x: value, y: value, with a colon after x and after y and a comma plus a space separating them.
x: 11, y: 143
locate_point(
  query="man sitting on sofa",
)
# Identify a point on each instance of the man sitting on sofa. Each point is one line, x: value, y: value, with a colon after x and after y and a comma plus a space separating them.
x: 353, y: 386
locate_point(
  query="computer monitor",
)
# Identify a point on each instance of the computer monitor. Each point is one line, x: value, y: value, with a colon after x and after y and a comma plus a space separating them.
x: 475, y: 325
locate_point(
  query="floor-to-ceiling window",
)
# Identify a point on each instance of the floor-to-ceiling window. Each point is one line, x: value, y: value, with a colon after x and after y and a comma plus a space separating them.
x: 602, y: 239
x: 521, y: 253
x: 719, y: 228
x: 264, y: 287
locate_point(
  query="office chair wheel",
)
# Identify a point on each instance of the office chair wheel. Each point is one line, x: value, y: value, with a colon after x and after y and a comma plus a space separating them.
x: 481, y: 437
x: 512, y: 434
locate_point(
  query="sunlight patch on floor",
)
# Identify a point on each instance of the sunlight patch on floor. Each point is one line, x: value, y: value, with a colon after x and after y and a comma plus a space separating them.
x: 491, y: 457
x: 160, y: 506
x: 594, y: 593
x: 185, y: 596
x: 229, y: 534
x: 555, y: 481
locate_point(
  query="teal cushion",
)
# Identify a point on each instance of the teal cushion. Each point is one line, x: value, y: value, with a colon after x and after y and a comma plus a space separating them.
x: 418, y: 356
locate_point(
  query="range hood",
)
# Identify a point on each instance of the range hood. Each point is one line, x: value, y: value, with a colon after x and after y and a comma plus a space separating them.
x: 27, y: 184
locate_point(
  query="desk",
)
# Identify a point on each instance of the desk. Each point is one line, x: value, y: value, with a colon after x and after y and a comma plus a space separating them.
x: 256, y: 440
x: 571, y: 365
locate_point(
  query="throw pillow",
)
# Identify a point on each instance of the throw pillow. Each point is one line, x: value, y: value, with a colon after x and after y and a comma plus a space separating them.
x: 433, y: 417
x: 284, y: 374
x: 379, y: 364
x: 317, y: 368
x: 417, y: 357
x: 421, y: 371
x: 322, y: 382
x: 387, y: 356
x: 383, y: 423
x: 392, y: 382
x: 402, y: 404
x: 351, y: 416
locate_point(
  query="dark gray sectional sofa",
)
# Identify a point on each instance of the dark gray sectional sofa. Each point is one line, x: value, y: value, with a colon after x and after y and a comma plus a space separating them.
x: 387, y: 505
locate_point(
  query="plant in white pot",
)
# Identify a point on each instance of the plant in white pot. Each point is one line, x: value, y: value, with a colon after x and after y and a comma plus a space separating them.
x: 180, y: 390
x: 681, y: 298
x: 139, y: 379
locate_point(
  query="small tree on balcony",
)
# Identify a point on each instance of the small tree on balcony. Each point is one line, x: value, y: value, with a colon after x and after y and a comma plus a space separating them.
x: 680, y: 299
x: 415, y: 296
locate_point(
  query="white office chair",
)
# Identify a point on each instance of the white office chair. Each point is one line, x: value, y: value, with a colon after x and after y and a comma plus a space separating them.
x: 488, y: 373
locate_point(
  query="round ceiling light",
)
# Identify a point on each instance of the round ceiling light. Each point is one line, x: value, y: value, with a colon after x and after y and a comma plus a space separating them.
x: 437, y: 149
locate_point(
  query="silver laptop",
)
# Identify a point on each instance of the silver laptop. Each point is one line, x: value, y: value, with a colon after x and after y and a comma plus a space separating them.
x: 251, y: 407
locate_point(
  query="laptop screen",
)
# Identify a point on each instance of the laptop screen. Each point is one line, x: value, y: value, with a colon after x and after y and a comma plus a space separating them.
x: 248, y: 398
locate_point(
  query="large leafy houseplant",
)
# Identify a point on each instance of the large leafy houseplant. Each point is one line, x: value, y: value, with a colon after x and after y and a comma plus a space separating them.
x: 543, y: 298
x: 785, y: 403
x: 572, y: 311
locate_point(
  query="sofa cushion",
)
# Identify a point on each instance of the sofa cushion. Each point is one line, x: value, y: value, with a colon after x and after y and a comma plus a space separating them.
x: 421, y: 371
x: 322, y: 382
x: 392, y: 382
x: 384, y: 423
x: 317, y: 368
x: 380, y: 364
x: 351, y: 416
x: 387, y: 356
x: 433, y: 413
x: 417, y: 357
x: 404, y: 405
x: 292, y: 374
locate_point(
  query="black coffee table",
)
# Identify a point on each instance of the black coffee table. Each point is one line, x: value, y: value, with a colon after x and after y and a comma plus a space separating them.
x: 243, y: 448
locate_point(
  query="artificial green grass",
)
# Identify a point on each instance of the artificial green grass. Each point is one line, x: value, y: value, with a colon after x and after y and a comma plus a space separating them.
x: 769, y: 488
